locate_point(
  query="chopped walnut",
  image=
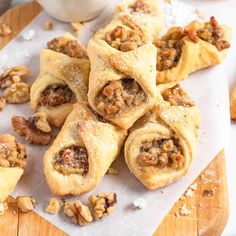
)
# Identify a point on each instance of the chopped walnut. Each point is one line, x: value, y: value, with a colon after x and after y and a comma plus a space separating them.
x: 56, y: 95
x: 12, y: 153
x: 36, y: 128
x: 53, y: 206
x: 5, y: 29
x: 72, y: 160
x: 2, y: 103
x: 13, y: 75
x: 177, y: 97
x: 25, y: 203
x: 141, y: 6
x: 118, y: 95
x: 103, y: 204
x: 161, y: 153
x: 112, y: 171
x: 69, y: 47
x: 78, y: 212
x: 76, y: 26
x: 123, y: 39
x: 48, y: 25
x: 3, y: 208
x: 213, y: 33
x: 17, y: 93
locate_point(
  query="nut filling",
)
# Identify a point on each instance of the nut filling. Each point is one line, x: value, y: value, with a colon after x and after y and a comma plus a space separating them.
x: 213, y: 33
x: 161, y: 153
x: 123, y: 39
x: 140, y: 6
x: 56, y: 95
x: 72, y: 160
x: 118, y: 95
x: 70, y: 48
x: 177, y: 97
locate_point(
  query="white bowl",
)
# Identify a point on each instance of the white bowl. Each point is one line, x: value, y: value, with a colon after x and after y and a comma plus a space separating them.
x: 73, y: 10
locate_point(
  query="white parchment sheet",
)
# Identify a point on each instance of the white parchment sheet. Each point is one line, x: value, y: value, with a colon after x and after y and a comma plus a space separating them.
x: 207, y: 87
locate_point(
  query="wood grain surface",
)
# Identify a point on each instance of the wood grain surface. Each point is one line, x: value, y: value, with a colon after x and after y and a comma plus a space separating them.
x: 208, y: 214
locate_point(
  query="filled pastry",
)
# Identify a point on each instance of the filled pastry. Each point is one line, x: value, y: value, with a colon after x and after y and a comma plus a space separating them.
x: 122, y: 80
x: 63, y: 79
x: 82, y: 152
x: 12, y: 164
x: 145, y: 15
x: 182, y: 51
x: 161, y: 145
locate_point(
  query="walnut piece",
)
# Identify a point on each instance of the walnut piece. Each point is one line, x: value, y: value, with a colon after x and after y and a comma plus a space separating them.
x: 76, y: 26
x: 123, y: 39
x: 25, y: 203
x: 17, y: 93
x: 53, y: 206
x: 12, y: 153
x: 13, y: 75
x: 141, y: 6
x: 102, y: 204
x: 2, y: 103
x: 5, y: 29
x: 48, y: 25
x: 78, y: 212
x: 3, y: 208
x: 36, y: 128
x: 112, y: 171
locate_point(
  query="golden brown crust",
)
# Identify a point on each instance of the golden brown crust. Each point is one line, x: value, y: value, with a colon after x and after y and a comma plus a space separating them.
x: 233, y: 104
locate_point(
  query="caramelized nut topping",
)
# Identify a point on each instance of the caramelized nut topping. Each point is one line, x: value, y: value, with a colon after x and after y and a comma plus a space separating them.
x: 17, y: 93
x: 124, y: 40
x: 36, y: 128
x: 13, y: 75
x: 12, y: 153
x: 213, y: 33
x: 69, y: 47
x: 177, y: 97
x: 25, y: 203
x: 72, y: 160
x: 161, y: 153
x: 103, y: 204
x: 118, y: 95
x: 141, y: 6
x: 78, y: 212
x: 56, y: 95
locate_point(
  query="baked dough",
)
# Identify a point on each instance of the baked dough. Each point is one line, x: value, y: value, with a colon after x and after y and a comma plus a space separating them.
x: 195, y: 53
x: 161, y: 145
x: 99, y: 145
x: 12, y: 164
x: 117, y: 72
x: 59, y: 69
x: 147, y: 15
x: 233, y: 104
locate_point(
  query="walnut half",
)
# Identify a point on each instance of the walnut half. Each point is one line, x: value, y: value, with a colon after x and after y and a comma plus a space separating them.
x: 103, y: 204
x: 36, y: 128
x: 78, y: 212
x: 53, y: 206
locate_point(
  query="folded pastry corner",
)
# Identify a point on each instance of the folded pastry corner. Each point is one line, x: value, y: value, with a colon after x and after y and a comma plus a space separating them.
x: 182, y: 51
x: 161, y: 145
x: 82, y: 152
x: 12, y: 164
x: 63, y: 79
x: 147, y: 15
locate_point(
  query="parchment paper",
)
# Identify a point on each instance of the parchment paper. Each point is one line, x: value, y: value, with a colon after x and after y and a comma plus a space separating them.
x: 207, y: 87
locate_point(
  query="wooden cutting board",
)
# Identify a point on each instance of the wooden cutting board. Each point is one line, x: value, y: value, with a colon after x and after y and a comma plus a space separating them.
x: 208, y: 215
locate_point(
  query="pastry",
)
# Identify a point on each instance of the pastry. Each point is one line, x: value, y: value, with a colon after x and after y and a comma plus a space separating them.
x: 161, y: 145
x: 82, y: 152
x: 63, y: 79
x: 233, y: 104
x: 12, y: 164
x: 122, y: 79
x: 197, y: 46
x: 143, y: 14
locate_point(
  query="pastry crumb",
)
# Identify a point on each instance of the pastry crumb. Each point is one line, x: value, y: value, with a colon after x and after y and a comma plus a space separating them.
x: 5, y: 29
x: 3, y: 208
x: 2, y: 103
x: 53, y: 206
x: 184, y: 211
x: 139, y: 203
x: 112, y: 171
x: 78, y: 213
x: 25, y: 203
x: 48, y: 26
x: 103, y: 204
x: 29, y: 35
x: 76, y: 26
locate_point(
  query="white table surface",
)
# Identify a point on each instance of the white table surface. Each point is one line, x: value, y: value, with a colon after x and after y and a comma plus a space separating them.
x: 224, y: 10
